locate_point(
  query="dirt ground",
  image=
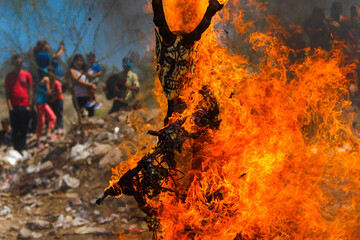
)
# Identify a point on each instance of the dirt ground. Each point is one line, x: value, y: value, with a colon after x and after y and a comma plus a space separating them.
x: 52, y: 194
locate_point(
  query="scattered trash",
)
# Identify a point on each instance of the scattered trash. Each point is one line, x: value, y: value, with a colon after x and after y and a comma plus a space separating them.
x: 25, y: 154
x: 82, y: 214
x: 76, y: 202
x: 70, y: 181
x: 81, y: 151
x: 31, y: 169
x: 5, y: 211
x: 27, y: 234
x: 108, y: 219
x: 13, y: 157
x: 46, y: 166
x: 90, y: 230
x: 104, y: 136
x: 116, y: 132
x: 63, y: 222
x: 36, y: 235
x: 30, y: 203
x: 79, y: 221
x: 49, y: 184
x: 38, y: 225
x: 24, y: 234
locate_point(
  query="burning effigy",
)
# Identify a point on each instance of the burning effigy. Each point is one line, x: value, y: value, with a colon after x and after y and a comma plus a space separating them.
x: 245, y: 153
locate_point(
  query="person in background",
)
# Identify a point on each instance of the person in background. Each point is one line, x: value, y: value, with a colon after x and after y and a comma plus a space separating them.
x: 352, y: 32
x: 81, y: 83
x: 294, y: 39
x: 122, y: 88
x: 43, y: 90
x: 5, y: 133
x: 132, y: 83
x: 115, y: 89
x: 335, y: 21
x: 44, y: 58
x: 318, y: 29
x: 56, y: 101
x: 352, y: 48
x: 93, y: 74
x: 18, y: 94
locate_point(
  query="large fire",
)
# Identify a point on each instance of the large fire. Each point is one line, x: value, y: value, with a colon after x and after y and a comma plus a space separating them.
x: 284, y: 163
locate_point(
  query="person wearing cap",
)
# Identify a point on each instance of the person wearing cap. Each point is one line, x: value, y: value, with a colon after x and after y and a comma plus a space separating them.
x: 18, y: 94
x: 132, y: 82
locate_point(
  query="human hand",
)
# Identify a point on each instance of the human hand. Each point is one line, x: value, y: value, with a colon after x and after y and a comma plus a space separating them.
x: 62, y: 45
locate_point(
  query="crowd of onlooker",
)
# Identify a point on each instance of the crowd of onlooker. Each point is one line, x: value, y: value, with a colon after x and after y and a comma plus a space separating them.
x: 327, y: 32
x: 334, y: 31
x: 37, y: 101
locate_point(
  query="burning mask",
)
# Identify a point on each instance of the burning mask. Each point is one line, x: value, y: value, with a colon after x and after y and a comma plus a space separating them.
x: 175, y: 53
x: 174, y: 63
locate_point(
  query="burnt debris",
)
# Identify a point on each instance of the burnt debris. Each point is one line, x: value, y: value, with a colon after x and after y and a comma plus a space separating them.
x: 156, y: 169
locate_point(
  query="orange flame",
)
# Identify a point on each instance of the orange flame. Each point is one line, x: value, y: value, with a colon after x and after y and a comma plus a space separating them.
x: 284, y: 164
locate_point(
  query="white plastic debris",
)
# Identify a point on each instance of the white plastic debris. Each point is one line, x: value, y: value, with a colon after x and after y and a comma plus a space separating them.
x: 5, y: 211
x: 116, y: 132
x: 71, y: 182
x: 31, y: 169
x: 108, y: 219
x: 63, y: 222
x: 81, y: 152
x: 13, y: 157
x: 79, y: 221
x: 26, y: 155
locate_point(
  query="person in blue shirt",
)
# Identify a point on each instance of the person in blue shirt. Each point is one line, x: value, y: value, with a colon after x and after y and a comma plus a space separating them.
x: 93, y: 73
x: 44, y: 58
x: 43, y: 91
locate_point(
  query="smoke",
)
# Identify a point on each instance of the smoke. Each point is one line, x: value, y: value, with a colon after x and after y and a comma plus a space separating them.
x: 297, y: 11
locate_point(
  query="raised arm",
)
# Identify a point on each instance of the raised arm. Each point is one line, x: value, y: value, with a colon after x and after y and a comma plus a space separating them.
x: 60, y: 51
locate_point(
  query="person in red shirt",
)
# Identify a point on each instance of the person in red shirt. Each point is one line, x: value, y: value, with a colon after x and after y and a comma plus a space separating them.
x: 18, y: 94
x: 56, y: 101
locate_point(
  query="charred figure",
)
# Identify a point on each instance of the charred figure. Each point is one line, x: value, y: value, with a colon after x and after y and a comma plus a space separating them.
x: 175, y: 56
x: 175, y: 53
